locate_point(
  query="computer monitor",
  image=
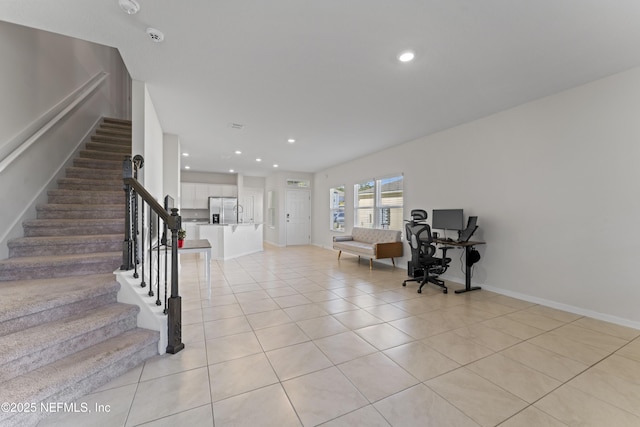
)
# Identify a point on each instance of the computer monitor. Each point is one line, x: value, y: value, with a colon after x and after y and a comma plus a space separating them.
x: 447, y: 219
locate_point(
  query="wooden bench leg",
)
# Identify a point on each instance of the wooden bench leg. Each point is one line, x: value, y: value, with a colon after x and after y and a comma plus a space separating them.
x: 370, y: 263
x: 339, y: 253
x: 393, y: 261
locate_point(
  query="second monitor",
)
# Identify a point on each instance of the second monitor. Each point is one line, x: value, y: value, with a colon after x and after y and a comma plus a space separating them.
x: 447, y: 219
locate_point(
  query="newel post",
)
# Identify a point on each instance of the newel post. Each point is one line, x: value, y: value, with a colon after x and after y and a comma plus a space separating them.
x: 174, y: 319
x: 127, y: 245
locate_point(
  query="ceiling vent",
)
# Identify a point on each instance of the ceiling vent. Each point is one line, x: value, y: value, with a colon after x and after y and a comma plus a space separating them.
x: 237, y: 126
x: 156, y: 35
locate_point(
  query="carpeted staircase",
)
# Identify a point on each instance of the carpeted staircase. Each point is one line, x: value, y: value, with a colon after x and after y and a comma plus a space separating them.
x: 62, y: 333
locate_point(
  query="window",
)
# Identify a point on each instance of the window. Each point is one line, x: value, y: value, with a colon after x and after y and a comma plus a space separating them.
x: 300, y: 183
x: 336, y: 207
x: 379, y: 203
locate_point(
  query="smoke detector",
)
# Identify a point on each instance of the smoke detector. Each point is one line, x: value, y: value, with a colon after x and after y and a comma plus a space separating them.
x: 130, y: 7
x: 156, y: 35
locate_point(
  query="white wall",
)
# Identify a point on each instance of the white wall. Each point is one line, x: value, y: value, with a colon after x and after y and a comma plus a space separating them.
x: 147, y: 140
x: 37, y: 72
x: 554, y: 184
x: 171, y: 176
x: 153, y: 152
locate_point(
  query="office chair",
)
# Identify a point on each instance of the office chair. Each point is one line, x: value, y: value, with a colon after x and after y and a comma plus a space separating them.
x: 418, y: 234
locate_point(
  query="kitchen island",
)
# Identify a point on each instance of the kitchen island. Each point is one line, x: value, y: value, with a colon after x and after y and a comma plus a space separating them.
x: 230, y: 241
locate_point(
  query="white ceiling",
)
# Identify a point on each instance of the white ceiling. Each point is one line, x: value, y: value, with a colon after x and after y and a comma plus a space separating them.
x: 325, y: 72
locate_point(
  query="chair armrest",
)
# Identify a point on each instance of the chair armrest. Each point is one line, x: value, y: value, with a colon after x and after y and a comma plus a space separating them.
x: 342, y: 238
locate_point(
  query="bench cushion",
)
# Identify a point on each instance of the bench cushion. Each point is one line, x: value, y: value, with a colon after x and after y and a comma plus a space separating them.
x: 355, y: 246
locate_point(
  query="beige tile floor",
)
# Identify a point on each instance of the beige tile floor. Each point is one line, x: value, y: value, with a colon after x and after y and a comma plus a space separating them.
x: 292, y: 336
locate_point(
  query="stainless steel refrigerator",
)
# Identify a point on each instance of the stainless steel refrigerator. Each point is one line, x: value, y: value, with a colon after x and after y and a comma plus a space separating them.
x: 223, y: 210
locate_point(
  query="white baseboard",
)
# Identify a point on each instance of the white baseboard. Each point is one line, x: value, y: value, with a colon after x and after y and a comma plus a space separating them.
x: 150, y: 316
x: 557, y: 305
x: 565, y: 307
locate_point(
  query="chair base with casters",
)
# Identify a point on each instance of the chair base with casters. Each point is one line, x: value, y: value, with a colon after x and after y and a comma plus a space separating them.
x: 431, y: 273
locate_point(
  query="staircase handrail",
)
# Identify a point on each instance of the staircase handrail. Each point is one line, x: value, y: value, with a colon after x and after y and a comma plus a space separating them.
x: 174, y: 222
x: 85, y: 90
x: 149, y: 199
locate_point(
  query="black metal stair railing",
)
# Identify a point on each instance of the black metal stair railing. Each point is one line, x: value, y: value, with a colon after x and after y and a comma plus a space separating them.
x: 144, y: 243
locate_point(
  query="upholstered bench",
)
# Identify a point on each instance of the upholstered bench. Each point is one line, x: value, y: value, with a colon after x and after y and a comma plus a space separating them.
x: 372, y: 243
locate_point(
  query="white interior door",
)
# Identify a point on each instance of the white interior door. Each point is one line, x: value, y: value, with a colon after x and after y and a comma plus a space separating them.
x: 298, y: 217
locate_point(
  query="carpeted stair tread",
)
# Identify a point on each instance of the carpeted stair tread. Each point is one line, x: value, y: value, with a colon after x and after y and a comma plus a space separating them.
x: 72, y: 377
x: 89, y: 184
x: 108, y: 166
x: 66, y: 227
x: 113, y: 127
x: 90, y: 154
x: 77, y: 210
x: 93, y: 173
x: 64, y: 245
x: 32, y: 343
x: 114, y: 120
x: 66, y: 259
x: 22, y: 298
x: 40, y: 267
x: 113, y: 130
x: 54, y: 240
x: 63, y: 222
x: 108, y: 148
x: 119, y: 126
x: 84, y: 196
x: 114, y: 140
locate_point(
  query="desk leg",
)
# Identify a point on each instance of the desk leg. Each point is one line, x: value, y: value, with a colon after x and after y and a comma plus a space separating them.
x: 467, y: 274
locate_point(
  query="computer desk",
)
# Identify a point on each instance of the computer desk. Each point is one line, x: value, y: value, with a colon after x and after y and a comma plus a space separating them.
x: 467, y: 248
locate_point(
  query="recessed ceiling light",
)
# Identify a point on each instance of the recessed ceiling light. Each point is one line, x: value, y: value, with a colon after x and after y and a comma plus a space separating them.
x: 291, y: 140
x: 258, y: 160
x: 275, y: 166
x: 185, y: 154
x: 187, y: 167
x: 231, y: 170
x: 406, y: 56
x: 130, y: 7
x: 238, y: 152
x: 156, y: 35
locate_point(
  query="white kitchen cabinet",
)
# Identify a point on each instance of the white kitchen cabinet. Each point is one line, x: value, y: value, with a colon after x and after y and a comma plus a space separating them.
x: 202, y: 196
x: 195, y: 195
x: 215, y: 190
x: 229, y: 191
x: 188, y: 195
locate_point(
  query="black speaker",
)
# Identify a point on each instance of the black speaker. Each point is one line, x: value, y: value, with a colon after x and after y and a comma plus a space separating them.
x: 473, y: 256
